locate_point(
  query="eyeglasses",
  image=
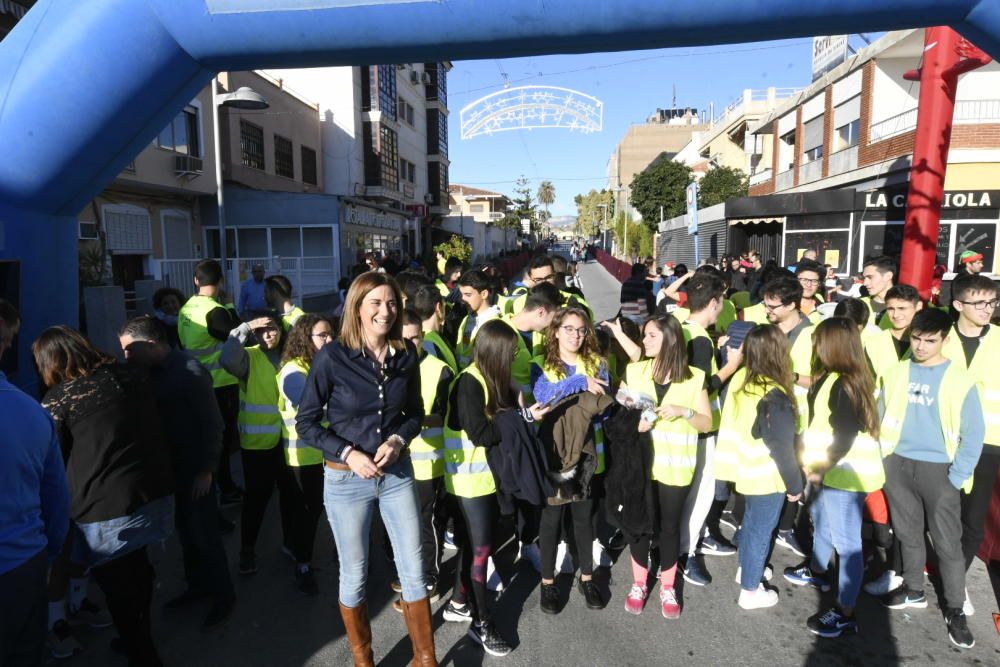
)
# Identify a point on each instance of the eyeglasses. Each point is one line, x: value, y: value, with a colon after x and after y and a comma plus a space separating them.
x: 774, y: 306
x: 982, y: 305
x: 809, y: 281
x: 323, y: 335
x: 547, y: 278
x: 570, y: 331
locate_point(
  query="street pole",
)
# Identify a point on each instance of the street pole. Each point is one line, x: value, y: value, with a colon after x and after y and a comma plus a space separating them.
x: 219, y: 201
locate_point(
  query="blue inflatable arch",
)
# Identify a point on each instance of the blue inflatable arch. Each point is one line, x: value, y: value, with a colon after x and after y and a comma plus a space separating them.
x: 84, y: 85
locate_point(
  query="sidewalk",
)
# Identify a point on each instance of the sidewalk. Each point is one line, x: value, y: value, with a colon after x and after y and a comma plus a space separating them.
x: 600, y: 289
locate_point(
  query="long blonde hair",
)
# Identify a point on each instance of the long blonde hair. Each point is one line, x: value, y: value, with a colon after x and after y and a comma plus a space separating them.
x: 351, y: 330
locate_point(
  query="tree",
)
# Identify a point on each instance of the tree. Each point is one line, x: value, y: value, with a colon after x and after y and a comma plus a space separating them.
x: 589, y: 214
x: 524, y: 203
x: 721, y: 184
x: 455, y: 246
x: 546, y: 196
x: 662, y: 183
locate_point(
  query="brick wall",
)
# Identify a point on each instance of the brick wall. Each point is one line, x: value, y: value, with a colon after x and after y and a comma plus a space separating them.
x: 867, y: 86
x: 766, y: 188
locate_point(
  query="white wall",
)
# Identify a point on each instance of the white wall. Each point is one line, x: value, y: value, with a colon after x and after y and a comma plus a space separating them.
x: 980, y: 84
x: 892, y: 94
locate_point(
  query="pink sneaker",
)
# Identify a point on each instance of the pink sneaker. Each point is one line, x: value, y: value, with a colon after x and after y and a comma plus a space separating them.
x: 670, y: 607
x: 636, y: 599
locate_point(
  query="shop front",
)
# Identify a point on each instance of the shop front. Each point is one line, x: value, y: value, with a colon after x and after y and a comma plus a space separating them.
x: 367, y: 228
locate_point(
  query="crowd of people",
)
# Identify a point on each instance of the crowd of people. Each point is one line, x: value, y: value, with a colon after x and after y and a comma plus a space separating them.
x: 453, y: 403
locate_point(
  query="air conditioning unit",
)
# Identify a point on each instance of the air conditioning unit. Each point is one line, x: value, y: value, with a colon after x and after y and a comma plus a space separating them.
x: 425, y: 78
x: 414, y: 77
x: 187, y: 165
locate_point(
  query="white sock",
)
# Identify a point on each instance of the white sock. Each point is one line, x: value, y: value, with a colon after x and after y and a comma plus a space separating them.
x: 77, y: 592
x: 57, y: 612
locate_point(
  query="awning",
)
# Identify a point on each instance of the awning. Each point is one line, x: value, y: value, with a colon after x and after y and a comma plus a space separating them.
x: 757, y: 221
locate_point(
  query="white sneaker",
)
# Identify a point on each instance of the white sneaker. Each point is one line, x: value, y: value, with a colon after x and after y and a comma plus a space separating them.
x: 493, y: 581
x: 888, y: 582
x: 768, y: 573
x: 531, y: 553
x: 601, y: 556
x: 757, y: 599
x: 967, y: 607
x: 564, y: 559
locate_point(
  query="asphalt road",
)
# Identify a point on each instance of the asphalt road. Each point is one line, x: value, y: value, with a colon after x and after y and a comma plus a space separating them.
x: 274, y: 625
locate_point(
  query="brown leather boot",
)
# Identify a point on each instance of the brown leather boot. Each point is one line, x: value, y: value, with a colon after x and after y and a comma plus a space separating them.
x: 359, y: 634
x: 418, y: 624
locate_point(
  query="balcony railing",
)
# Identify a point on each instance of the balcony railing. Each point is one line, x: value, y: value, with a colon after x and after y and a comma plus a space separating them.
x: 967, y: 112
x: 811, y: 171
x: 844, y: 160
x: 761, y: 177
x: 785, y: 180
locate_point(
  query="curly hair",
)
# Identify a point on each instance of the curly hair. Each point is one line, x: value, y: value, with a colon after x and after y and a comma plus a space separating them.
x: 298, y: 344
x: 587, y: 354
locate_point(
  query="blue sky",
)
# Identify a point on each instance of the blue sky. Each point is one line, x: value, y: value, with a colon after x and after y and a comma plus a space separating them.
x: 632, y: 84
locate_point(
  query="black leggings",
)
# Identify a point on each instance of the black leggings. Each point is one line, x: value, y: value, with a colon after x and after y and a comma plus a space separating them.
x: 582, y: 514
x: 307, y: 503
x: 263, y: 469
x: 669, y: 507
x: 228, y: 398
x: 475, y: 535
x: 127, y: 583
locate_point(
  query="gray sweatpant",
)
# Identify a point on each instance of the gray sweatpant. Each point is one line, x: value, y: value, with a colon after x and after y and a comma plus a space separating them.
x: 915, y: 490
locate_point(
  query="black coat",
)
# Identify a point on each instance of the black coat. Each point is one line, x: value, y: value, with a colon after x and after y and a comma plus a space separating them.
x: 628, y: 477
x: 518, y: 463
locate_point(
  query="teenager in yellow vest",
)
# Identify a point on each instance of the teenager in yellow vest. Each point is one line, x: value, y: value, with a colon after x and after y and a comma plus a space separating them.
x: 307, y: 336
x: 705, y: 295
x: 256, y: 368
x: 476, y: 289
x: 886, y: 347
x: 278, y: 295
x: 479, y: 393
x: 932, y: 435
x: 570, y: 365
x: 531, y: 323
x: 429, y: 306
x: 682, y: 412
x: 756, y: 451
x: 427, y: 452
x: 878, y: 276
x: 842, y: 458
x: 810, y: 276
x: 976, y: 342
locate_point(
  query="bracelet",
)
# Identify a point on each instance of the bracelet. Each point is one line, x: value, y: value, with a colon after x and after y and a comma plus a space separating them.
x: 689, y: 414
x: 398, y: 438
x: 345, y: 452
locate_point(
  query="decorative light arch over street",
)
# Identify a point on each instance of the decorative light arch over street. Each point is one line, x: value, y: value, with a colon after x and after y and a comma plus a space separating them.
x: 530, y: 108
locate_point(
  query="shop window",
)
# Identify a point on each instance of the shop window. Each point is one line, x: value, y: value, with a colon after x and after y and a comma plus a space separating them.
x: 286, y: 242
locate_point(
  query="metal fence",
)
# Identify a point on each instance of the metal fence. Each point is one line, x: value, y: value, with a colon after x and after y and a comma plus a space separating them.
x: 309, y: 275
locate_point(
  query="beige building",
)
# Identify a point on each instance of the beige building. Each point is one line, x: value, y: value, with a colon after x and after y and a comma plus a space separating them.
x: 666, y: 131
x: 480, y: 205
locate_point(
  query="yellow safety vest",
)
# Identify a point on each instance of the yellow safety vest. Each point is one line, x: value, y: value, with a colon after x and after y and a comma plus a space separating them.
x: 427, y: 449
x: 444, y: 352
x: 297, y: 453
x: 588, y: 371
x: 289, y: 319
x: 259, y: 420
x: 675, y: 441
x: 802, y: 350
x: 192, y: 329
x: 516, y: 303
x: 955, y: 386
x: 739, y: 457
x: 883, y: 323
x: 464, y: 349
x: 984, y: 374
x: 520, y: 368
x: 880, y: 347
x: 726, y: 316
x: 694, y: 330
x: 755, y: 313
x: 467, y: 472
x: 861, y: 469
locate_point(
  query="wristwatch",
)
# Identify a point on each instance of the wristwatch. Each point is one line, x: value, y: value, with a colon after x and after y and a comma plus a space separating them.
x: 689, y: 414
x: 399, y: 439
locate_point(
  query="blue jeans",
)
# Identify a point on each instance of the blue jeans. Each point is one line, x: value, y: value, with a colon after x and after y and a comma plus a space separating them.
x: 836, y: 516
x: 756, y: 530
x: 351, y: 503
x: 98, y: 542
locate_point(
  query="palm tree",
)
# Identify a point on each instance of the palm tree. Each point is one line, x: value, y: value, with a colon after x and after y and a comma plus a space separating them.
x: 546, y: 196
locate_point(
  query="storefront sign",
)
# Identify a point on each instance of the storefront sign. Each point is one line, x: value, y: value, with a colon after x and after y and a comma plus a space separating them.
x: 828, y: 52
x: 897, y: 199
x: 366, y: 217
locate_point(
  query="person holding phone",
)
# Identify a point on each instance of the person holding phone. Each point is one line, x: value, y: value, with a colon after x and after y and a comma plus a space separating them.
x: 366, y: 386
x: 756, y: 451
x: 683, y: 411
x: 570, y: 366
x: 480, y: 396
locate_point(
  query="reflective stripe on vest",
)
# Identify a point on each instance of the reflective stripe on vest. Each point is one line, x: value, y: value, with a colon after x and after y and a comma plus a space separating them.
x: 675, y: 441
x: 739, y: 457
x: 192, y: 330
x: 426, y: 450
x: 860, y: 469
x: 955, y: 386
x: 467, y: 472
x: 297, y: 452
x: 259, y: 421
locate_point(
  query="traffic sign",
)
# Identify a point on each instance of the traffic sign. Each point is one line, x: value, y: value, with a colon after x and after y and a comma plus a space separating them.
x: 692, y: 208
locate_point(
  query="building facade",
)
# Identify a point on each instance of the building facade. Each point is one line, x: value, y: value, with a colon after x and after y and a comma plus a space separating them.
x: 482, y: 217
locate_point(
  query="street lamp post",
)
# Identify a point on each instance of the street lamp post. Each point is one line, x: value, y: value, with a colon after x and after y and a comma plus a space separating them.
x: 242, y: 98
x: 604, y: 228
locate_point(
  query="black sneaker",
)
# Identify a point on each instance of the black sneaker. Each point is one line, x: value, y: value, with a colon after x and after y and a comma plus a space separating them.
x: 232, y: 497
x: 832, y: 623
x: 591, y: 594
x: 218, y: 613
x: 958, y: 629
x: 305, y: 581
x: 248, y: 563
x: 804, y: 576
x: 456, y: 613
x: 486, y: 634
x: 787, y: 540
x: 729, y: 519
x: 433, y: 593
x: 901, y: 598
x: 694, y: 572
x: 716, y: 545
x: 549, y: 598
x: 617, y: 541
